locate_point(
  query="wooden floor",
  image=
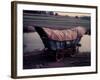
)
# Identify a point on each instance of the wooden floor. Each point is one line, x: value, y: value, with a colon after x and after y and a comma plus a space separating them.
x: 37, y: 60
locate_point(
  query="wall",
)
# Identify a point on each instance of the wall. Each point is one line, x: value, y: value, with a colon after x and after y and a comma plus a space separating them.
x: 5, y: 40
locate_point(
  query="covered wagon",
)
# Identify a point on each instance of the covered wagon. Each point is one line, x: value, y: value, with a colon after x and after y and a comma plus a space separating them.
x: 60, y: 42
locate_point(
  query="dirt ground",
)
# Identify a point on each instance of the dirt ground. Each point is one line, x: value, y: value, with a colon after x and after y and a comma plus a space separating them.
x: 37, y: 60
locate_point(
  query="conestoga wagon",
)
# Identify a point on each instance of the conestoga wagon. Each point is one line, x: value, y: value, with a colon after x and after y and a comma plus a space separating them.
x: 60, y: 42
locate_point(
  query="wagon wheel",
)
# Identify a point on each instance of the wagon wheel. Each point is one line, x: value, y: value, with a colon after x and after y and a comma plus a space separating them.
x: 75, y: 51
x: 59, y: 56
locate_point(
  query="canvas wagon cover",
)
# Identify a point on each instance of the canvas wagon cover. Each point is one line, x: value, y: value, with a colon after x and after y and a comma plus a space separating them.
x: 67, y: 34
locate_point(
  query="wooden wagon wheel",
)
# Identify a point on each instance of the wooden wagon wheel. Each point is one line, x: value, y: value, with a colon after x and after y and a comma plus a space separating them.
x: 59, y: 55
